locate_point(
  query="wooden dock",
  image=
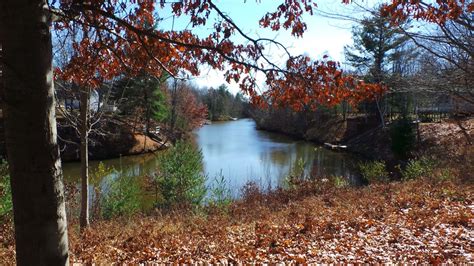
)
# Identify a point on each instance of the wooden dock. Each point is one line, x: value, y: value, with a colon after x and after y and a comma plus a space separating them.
x: 334, y: 146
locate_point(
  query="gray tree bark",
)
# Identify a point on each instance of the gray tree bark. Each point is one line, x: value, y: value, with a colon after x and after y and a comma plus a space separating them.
x: 30, y: 134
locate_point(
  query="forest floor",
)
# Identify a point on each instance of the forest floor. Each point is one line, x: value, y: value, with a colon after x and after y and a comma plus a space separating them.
x: 426, y: 220
x: 450, y: 138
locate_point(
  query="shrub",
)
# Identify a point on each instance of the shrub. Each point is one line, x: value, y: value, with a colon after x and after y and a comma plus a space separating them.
x: 6, y: 204
x: 121, y: 196
x: 251, y: 192
x: 403, y: 137
x: 296, y: 175
x: 220, y: 195
x: 339, y: 181
x: 95, y: 177
x: 445, y: 174
x: 180, y: 178
x: 373, y: 171
x: 416, y: 168
x: 298, y: 170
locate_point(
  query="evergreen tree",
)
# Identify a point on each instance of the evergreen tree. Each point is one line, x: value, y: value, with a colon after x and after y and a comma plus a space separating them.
x: 375, y: 46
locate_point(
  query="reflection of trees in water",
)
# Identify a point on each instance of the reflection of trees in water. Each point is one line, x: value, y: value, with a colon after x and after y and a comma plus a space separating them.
x: 244, y: 154
x: 306, y: 153
x: 274, y: 137
x: 129, y: 165
x: 279, y: 157
x: 283, y: 158
x: 329, y: 163
x: 275, y: 164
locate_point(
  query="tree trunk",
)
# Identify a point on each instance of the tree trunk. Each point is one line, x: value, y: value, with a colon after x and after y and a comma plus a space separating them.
x: 84, y: 132
x: 147, y: 117
x: 173, y: 107
x: 344, y: 110
x: 381, y: 112
x: 30, y: 134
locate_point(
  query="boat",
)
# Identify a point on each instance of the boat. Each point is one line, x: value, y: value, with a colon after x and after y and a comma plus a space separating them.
x: 335, y: 146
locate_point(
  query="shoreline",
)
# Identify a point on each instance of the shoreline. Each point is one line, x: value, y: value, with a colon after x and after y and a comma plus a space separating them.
x: 375, y: 142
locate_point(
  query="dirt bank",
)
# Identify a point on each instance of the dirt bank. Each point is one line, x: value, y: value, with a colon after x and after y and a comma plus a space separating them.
x: 119, y: 140
x: 114, y: 138
x: 450, y: 139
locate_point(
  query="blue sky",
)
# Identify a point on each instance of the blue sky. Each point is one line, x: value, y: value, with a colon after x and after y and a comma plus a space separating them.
x: 324, y: 35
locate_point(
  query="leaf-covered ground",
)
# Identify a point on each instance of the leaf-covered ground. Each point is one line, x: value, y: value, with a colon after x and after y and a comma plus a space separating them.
x: 415, y: 221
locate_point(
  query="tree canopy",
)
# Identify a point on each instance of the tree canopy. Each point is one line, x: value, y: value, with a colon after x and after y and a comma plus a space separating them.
x: 111, y: 38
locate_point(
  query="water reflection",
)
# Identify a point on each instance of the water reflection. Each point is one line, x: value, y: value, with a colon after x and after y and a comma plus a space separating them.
x: 243, y: 154
x: 138, y: 165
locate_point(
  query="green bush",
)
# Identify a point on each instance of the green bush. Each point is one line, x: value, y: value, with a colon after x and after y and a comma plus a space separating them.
x: 373, y: 171
x: 180, y: 178
x: 403, y: 137
x: 340, y: 181
x: 121, y: 196
x: 296, y: 175
x: 417, y: 168
x: 6, y: 204
x: 445, y: 174
x: 220, y: 195
x: 96, y: 175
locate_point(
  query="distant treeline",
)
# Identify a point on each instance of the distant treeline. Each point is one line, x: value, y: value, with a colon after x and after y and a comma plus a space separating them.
x: 222, y: 104
x: 152, y: 106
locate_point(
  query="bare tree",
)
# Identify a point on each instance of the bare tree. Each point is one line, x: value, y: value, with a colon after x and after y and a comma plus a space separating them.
x: 448, y: 62
x: 84, y: 116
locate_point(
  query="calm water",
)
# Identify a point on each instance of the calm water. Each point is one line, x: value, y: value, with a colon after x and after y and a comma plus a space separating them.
x: 245, y: 154
x: 242, y: 153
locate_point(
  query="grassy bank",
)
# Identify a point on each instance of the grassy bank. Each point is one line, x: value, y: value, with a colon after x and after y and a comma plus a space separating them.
x: 423, y: 220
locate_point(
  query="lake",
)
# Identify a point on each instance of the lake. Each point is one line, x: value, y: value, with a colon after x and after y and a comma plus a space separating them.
x: 241, y: 154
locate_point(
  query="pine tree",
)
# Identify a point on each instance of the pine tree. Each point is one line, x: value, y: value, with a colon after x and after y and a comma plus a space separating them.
x: 376, y: 47
x: 375, y: 43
